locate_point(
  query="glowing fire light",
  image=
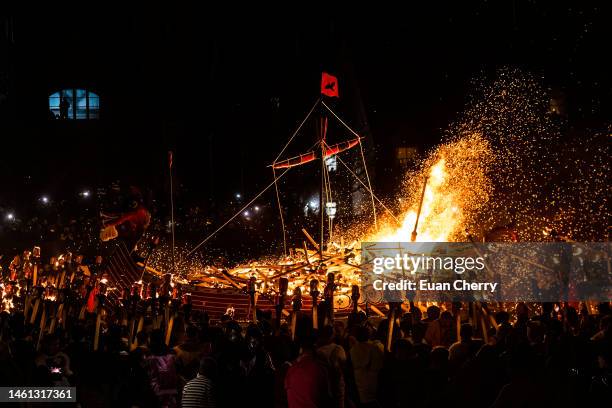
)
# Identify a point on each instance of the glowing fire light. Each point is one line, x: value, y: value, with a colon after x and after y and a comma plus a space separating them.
x: 457, y: 186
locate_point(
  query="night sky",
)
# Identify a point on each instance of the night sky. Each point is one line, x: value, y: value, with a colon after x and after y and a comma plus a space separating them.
x: 225, y: 88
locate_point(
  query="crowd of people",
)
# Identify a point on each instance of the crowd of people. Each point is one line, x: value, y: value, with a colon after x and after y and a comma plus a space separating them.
x: 546, y: 355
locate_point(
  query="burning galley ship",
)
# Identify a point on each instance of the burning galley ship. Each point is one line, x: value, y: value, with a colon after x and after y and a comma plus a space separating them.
x: 319, y: 277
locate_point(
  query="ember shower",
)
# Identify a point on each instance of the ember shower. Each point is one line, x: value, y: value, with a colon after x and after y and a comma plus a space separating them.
x: 506, y: 162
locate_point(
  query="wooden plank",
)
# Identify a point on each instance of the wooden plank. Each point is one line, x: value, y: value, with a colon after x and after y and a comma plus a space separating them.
x: 310, y: 239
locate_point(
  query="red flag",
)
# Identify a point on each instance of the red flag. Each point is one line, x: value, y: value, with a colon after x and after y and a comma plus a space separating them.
x: 91, y: 300
x: 170, y: 158
x: 329, y: 85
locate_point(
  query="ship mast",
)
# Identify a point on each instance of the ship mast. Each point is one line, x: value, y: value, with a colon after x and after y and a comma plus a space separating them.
x: 322, y: 132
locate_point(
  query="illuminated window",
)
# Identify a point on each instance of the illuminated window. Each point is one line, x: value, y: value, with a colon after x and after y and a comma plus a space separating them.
x: 406, y: 155
x: 74, y: 104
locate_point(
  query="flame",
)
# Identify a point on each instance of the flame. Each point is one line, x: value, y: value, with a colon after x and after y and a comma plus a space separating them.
x: 457, y: 186
x: 437, y: 225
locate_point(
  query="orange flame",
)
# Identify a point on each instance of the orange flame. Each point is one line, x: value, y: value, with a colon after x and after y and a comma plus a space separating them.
x: 457, y: 186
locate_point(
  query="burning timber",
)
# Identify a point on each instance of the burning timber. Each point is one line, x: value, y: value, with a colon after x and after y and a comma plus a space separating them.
x: 216, y: 288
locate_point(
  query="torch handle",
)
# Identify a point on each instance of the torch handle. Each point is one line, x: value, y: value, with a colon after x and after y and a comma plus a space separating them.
x: 35, y: 311
x: 131, y: 338
x: 253, y: 309
x: 293, y: 324
x: 43, y: 323
x: 390, y: 327
x: 458, y: 323
x: 97, y: 335
x: 140, y: 324
x: 169, y: 330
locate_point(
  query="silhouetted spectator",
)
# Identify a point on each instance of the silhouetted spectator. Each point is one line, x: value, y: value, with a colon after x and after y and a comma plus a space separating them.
x: 460, y: 351
x: 200, y: 391
x: 335, y: 358
x: 53, y: 363
x: 439, y: 331
x: 188, y: 354
x: 307, y: 380
x: 257, y: 366
x: 367, y: 360
x: 162, y: 371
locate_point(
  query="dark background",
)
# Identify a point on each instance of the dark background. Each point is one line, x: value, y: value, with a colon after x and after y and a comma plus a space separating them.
x: 224, y: 89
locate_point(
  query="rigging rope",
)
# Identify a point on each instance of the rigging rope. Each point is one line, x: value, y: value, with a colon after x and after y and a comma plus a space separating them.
x: 237, y: 214
x: 365, y: 166
x: 297, y: 130
x: 370, y: 191
x: 340, y: 120
x: 362, y: 158
x: 280, y: 210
